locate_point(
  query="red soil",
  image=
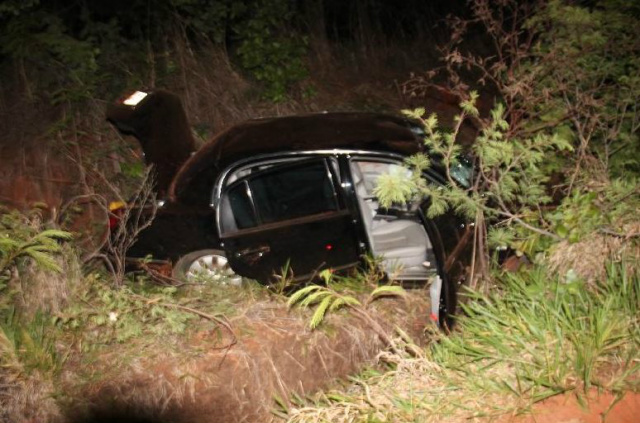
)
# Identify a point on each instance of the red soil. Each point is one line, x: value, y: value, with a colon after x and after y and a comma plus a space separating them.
x: 601, y: 408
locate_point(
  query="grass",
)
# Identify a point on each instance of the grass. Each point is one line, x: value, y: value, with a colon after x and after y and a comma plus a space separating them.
x: 42, y: 338
x: 534, y: 337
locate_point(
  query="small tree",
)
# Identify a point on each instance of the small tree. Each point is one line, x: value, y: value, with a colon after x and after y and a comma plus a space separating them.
x: 567, y: 78
x: 507, y: 186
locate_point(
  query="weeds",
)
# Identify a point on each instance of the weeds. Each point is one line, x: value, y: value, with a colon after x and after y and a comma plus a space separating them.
x: 533, y: 338
x: 29, y: 347
x: 29, y: 358
x: 553, y: 335
x: 328, y: 299
x: 26, y: 343
x: 22, y: 237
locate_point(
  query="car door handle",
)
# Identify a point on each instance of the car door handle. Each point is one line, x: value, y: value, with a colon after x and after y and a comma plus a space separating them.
x: 251, y: 251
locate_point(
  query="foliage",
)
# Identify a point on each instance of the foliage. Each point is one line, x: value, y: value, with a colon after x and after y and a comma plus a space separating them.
x: 553, y: 157
x: 559, y: 71
x: 506, y: 185
x: 28, y: 347
x: 555, y: 335
x: 79, y: 52
x: 23, y: 239
x: 537, y: 336
x: 268, y: 48
x: 35, y: 36
x: 593, y: 81
x: 104, y: 314
x: 331, y: 297
x: 26, y: 342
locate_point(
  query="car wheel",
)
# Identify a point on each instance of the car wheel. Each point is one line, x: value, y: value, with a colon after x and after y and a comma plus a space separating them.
x: 206, y: 266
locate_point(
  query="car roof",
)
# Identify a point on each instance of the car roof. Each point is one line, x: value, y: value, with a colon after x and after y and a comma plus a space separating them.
x: 319, y: 131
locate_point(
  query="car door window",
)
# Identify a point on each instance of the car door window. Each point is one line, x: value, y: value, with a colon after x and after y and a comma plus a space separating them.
x: 272, y: 193
x: 367, y: 173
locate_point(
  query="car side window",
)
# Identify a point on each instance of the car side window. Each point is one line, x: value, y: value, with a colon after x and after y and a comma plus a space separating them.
x: 366, y: 174
x: 269, y: 194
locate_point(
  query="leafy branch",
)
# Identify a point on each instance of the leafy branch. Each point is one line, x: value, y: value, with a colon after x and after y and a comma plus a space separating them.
x: 22, y: 238
x: 327, y: 300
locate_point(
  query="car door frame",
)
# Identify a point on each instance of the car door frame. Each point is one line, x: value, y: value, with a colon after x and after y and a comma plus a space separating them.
x: 451, y: 246
x: 343, y: 212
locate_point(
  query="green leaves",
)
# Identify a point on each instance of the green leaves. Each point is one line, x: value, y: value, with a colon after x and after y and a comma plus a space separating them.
x: 301, y: 293
x: 108, y: 315
x: 326, y: 299
x: 387, y: 291
x: 468, y: 106
x: 396, y: 186
x: 21, y: 238
x: 269, y: 50
x: 551, y: 335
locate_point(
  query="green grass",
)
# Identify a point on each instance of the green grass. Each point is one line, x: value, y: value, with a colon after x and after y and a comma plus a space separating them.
x: 26, y: 347
x: 554, y: 336
x: 535, y: 336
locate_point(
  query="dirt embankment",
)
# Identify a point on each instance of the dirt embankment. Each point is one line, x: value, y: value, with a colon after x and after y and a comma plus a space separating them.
x: 205, y: 379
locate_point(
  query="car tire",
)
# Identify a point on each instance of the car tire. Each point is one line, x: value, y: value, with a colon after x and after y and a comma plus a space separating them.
x: 206, y: 266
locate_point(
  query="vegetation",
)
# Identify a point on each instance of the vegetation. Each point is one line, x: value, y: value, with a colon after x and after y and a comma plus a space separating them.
x: 70, y: 53
x: 556, y: 149
x: 549, y: 179
x: 556, y: 178
x: 538, y: 336
x: 22, y: 239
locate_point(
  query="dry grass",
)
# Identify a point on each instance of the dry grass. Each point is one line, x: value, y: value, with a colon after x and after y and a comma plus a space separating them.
x: 413, y: 390
x: 202, y: 378
x: 588, y: 257
x: 24, y: 396
x: 49, y: 292
x: 28, y: 400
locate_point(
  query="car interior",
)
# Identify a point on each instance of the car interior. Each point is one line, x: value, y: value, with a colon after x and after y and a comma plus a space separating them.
x: 396, y: 234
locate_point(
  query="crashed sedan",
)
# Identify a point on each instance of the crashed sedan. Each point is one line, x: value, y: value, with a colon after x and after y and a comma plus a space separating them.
x: 294, y: 191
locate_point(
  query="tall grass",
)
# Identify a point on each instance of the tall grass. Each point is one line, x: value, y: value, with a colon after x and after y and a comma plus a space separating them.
x: 534, y: 336
x: 548, y: 335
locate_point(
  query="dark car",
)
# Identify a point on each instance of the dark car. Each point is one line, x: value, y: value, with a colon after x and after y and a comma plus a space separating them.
x: 294, y: 190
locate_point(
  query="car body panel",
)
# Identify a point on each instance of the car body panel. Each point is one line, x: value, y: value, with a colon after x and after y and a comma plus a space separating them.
x: 321, y: 131
x: 265, y: 235
x: 305, y: 245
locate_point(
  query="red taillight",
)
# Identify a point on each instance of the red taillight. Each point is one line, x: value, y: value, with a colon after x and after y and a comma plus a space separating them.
x: 116, y: 210
x: 113, y: 221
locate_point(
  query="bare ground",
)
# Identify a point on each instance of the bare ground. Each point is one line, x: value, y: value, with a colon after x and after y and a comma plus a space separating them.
x: 597, y: 408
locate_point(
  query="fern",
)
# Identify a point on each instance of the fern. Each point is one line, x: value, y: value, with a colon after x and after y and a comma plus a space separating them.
x: 318, y: 315
x: 387, y: 291
x: 22, y: 238
x: 301, y: 293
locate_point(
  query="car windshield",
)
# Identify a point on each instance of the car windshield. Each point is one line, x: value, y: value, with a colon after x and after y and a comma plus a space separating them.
x: 462, y: 172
